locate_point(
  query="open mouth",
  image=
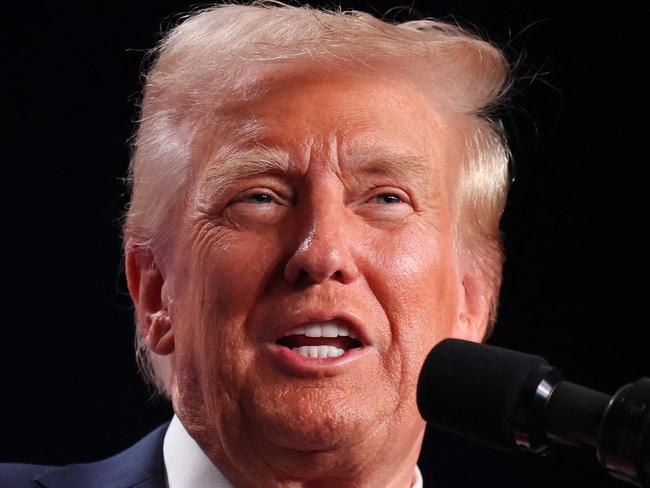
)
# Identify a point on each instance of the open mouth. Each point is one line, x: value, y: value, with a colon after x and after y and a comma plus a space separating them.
x: 320, y: 340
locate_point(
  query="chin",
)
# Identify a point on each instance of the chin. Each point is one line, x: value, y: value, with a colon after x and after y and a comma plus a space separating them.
x: 314, y: 421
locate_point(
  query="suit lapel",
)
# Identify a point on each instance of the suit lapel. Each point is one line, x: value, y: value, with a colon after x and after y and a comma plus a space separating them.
x: 140, y: 466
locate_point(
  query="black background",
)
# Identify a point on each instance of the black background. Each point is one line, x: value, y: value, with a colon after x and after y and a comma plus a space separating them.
x: 575, y: 282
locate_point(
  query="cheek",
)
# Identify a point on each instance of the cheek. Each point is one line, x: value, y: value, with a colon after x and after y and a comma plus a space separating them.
x: 226, y: 272
x: 411, y: 265
x: 416, y: 287
x: 212, y: 307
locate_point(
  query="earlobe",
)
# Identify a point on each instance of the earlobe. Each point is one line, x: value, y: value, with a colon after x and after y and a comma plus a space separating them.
x: 146, y: 286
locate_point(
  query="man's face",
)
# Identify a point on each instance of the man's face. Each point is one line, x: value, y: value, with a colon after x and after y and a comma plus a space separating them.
x: 339, y: 214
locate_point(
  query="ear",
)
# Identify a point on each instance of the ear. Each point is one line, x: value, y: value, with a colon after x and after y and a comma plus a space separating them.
x: 473, y: 310
x: 146, y: 282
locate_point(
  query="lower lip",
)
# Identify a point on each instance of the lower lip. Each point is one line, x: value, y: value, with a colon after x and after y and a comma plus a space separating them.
x: 295, y: 363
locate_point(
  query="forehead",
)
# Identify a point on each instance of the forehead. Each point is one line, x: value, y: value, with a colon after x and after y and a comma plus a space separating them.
x: 340, y: 121
x: 342, y: 101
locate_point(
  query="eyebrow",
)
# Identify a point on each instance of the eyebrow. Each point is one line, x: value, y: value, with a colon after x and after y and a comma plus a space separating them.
x: 390, y: 163
x: 262, y: 160
x: 238, y: 165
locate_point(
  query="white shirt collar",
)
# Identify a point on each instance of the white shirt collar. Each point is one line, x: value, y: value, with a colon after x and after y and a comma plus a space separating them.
x: 187, y: 466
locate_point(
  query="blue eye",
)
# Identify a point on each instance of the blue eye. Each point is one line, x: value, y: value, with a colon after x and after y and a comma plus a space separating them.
x: 388, y: 198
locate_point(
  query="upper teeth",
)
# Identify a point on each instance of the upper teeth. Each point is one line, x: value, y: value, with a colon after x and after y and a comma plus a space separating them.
x: 324, y: 329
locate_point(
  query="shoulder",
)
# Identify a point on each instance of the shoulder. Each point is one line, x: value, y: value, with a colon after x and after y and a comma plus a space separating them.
x: 142, y: 464
x: 16, y: 475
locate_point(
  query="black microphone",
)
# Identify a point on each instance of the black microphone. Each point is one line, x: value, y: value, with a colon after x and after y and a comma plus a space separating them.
x: 511, y: 400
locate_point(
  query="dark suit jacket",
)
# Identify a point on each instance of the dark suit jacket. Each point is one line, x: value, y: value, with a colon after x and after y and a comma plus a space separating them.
x: 140, y: 466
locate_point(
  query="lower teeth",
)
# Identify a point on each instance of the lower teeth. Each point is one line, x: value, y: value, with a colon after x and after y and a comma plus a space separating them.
x: 319, y: 351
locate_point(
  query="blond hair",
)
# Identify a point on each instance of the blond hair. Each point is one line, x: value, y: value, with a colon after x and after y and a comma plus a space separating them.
x: 219, y: 56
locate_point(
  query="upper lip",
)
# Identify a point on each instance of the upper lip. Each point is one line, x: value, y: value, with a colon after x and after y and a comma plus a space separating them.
x: 287, y: 321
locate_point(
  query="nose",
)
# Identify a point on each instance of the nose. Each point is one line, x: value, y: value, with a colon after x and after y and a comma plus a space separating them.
x: 324, y: 248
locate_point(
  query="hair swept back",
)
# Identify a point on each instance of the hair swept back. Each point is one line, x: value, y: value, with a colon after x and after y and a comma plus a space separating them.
x: 213, y: 59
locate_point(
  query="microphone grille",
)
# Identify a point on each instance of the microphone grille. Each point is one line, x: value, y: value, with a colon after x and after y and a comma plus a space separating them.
x: 473, y: 390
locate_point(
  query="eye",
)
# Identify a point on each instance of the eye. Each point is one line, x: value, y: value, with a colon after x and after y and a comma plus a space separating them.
x: 386, y: 198
x: 258, y: 205
x: 258, y: 198
x: 385, y: 204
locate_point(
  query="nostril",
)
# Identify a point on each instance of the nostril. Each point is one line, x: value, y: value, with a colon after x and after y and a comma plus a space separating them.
x: 306, y: 277
x: 303, y: 276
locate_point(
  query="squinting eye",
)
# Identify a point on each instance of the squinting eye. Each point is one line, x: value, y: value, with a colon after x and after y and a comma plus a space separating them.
x: 388, y: 198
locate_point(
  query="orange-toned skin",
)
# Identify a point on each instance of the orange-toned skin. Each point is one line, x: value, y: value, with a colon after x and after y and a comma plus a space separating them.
x: 323, y: 237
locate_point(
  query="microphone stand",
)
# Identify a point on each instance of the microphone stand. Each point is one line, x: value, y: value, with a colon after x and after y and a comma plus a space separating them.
x: 508, y: 400
x: 565, y: 413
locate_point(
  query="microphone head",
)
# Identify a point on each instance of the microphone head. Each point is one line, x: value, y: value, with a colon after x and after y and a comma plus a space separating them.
x: 474, y: 390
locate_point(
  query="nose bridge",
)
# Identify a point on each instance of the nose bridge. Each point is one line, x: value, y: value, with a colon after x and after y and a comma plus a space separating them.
x: 326, y: 237
x: 324, y: 249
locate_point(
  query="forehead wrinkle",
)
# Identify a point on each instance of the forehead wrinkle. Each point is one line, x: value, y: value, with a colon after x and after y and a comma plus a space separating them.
x: 323, y: 154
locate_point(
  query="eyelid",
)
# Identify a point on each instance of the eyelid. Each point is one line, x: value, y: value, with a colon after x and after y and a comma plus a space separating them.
x: 243, y: 195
